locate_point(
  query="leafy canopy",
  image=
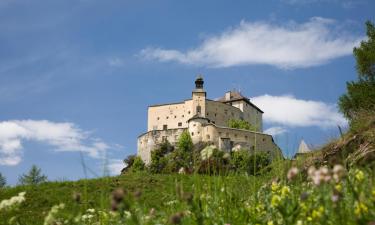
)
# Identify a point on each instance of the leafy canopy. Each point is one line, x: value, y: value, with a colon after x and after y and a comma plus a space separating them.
x: 360, y: 96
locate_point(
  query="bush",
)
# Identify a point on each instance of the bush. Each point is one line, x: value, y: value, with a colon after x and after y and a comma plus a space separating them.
x: 250, y: 163
x: 138, y: 164
x: 240, y: 124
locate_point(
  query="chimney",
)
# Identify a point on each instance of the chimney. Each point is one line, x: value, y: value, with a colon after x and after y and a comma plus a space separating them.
x: 227, y: 96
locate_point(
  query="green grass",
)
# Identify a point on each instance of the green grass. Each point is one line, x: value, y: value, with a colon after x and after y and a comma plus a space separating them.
x: 199, y: 199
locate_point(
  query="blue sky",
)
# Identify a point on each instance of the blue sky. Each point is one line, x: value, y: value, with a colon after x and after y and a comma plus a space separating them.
x: 76, y: 76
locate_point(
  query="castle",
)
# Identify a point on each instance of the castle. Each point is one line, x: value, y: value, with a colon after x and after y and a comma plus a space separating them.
x: 207, y: 121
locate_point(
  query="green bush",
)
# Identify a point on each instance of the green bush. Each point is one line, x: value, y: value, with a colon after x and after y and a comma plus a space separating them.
x: 138, y: 165
x: 250, y: 163
x: 241, y: 124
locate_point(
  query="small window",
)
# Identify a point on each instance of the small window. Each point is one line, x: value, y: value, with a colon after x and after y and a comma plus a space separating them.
x: 207, y: 114
x: 215, y: 114
x: 179, y: 124
x: 158, y: 118
x: 165, y: 127
x: 175, y: 116
x: 188, y: 112
x: 245, y: 137
x: 264, y: 139
x: 235, y: 135
x: 194, y: 125
x: 198, y: 109
x: 167, y: 117
x: 208, y: 136
x: 192, y: 133
x: 164, y: 138
x: 183, y: 116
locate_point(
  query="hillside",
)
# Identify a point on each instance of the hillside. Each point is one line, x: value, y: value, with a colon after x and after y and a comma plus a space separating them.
x: 354, y: 148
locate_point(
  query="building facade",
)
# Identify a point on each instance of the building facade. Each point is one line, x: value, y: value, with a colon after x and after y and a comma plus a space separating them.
x: 207, y: 121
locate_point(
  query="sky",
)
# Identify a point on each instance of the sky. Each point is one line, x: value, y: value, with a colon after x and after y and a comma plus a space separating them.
x: 76, y: 76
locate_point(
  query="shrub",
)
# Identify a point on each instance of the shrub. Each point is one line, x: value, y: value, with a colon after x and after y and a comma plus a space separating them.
x: 240, y: 124
x: 138, y: 164
x: 253, y: 164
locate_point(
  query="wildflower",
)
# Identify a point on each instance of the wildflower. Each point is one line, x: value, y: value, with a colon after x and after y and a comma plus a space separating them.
x: 275, y: 186
x: 317, y: 213
x: 335, y: 198
x: 182, y: 170
x: 360, y: 208
x: 50, y: 218
x: 118, y: 195
x: 275, y: 201
x: 13, y: 201
x: 90, y: 210
x: 292, y: 173
x: 77, y: 197
x: 338, y: 172
x: 359, y: 175
x: 285, y: 191
x: 338, y: 187
x: 127, y: 214
x: 299, y: 222
x: 176, y: 218
x: 270, y: 222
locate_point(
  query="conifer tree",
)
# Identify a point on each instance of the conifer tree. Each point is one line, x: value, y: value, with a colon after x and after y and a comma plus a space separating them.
x: 34, y: 176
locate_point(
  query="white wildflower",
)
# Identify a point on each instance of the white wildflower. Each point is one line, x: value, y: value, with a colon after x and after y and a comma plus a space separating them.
x: 50, y: 218
x: 292, y: 173
x: 13, y: 201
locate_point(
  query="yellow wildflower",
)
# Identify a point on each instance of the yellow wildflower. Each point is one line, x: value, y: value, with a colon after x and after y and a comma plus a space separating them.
x: 275, y: 186
x: 299, y: 222
x: 360, y: 209
x: 270, y: 222
x: 275, y: 201
x: 338, y: 187
x: 359, y: 175
x: 285, y: 191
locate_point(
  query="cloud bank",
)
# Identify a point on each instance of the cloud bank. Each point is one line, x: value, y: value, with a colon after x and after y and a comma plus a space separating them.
x: 62, y: 136
x: 288, y: 111
x: 285, y: 46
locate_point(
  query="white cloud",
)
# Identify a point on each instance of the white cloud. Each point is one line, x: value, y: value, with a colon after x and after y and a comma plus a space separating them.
x: 288, y: 111
x: 62, y: 136
x: 115, y: 166
x: 274, y: 131
x: 285, y: 46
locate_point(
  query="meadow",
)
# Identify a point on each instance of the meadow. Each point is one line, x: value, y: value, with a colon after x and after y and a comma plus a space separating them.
x: 284, y: 195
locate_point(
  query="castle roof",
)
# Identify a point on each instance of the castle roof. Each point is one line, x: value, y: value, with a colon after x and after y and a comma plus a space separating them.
x: 234, y: 96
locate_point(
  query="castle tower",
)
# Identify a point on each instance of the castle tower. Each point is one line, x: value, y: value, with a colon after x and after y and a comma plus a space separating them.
x: 199, y: 98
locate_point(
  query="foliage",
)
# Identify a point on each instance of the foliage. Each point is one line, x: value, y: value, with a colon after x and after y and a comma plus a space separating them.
x: 158, y: 161
x: 240, y: 124
x: 138, y: 164
x: 185, y: 143
x: 250, y: 163
x: 33, y: 177
x: 3, y: 181
x: 129, y: 161
x: 360, y: 96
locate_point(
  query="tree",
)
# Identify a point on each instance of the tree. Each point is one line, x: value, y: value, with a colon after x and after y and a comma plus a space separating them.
x: 3, y: 181
x: 138, y: 164
x: 185, y: 143
x: 240, y: 124
x: 360, y: 96
x: 34, y: 176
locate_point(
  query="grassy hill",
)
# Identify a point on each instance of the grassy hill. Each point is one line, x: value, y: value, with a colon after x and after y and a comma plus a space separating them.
x: 324, y: 197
